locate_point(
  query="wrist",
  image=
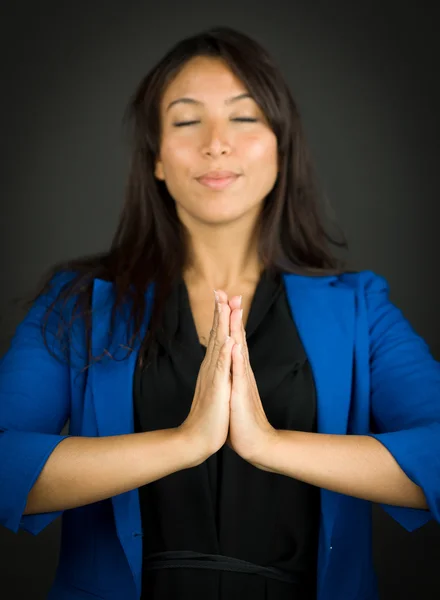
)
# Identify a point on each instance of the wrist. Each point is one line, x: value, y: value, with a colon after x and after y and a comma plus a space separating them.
x: 191, y: 449
x: 264, y: 454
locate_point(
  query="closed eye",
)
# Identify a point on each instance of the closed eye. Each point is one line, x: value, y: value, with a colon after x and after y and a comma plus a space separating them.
x: 241, y: 119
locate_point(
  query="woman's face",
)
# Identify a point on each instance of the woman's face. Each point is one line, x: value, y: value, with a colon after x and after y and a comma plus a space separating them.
x: 214, y: 138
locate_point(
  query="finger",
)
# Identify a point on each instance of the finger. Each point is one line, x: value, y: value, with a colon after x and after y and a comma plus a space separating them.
x: 214, y: 328
x: 235, y: 302
x: 236, y: 326
x: 220, y: 329
x: 224, y: 316
x: 222, y: 368
x: 238, y: 370
x: 222, y: 295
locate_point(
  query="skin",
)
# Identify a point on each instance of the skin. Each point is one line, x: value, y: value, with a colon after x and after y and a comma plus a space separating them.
x: 221, y: 224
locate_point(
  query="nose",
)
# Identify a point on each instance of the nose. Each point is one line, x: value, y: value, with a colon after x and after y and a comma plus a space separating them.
x: 216, y: 144
x: 217, y: 151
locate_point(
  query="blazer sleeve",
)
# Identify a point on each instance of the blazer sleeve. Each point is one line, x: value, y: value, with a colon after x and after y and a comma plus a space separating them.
x: 405, y: 400
x: 34, y: 407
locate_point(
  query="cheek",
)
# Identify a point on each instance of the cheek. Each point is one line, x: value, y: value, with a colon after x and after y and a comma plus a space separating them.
x: 178, y: 166
x: 261, y: 153
x: 176, y: 155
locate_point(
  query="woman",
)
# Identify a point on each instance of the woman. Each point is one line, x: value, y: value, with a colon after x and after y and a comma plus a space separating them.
x: 195, y: 468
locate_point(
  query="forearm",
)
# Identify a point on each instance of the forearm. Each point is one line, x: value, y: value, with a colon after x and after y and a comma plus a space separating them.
x: 82, y: 470
x: 355, y: 465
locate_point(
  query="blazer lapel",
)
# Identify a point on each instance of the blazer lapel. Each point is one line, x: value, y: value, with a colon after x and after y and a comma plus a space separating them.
x: 112, y: 380
x: 112, y: 386
x: 324, y: 313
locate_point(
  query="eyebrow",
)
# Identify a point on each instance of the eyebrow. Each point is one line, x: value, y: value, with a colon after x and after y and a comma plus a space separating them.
x: 186, y: 100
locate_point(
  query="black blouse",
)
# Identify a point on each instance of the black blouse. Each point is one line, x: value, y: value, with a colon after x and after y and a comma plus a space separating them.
x: 225, y: 529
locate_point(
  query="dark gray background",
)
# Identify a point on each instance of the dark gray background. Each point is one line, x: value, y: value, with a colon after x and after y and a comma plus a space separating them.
x: 365, y: 78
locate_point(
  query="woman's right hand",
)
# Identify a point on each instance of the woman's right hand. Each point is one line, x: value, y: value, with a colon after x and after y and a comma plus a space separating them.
x: 207, y: 425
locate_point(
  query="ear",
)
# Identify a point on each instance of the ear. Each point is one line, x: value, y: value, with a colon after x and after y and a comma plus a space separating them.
x: 158, y: 171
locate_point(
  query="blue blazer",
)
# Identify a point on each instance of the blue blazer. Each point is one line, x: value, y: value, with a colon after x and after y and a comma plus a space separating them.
x: 374, y: 376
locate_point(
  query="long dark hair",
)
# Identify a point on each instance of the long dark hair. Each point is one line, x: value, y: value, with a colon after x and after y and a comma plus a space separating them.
x: 149, y: 244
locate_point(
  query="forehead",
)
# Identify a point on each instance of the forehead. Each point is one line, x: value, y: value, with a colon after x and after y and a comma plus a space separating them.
x: 203, y: 77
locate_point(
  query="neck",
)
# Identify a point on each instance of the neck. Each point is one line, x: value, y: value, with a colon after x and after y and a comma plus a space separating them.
x: 223, y: 266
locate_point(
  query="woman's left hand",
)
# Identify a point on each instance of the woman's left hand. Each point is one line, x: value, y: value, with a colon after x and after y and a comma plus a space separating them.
x: 250, y: 433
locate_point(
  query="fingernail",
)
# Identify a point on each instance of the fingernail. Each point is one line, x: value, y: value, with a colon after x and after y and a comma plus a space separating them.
x: 241, y: 314
x: 239, y: 301
x: 216, y: 296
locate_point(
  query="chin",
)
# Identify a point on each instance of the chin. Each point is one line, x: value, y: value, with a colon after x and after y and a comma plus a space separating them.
x: 221, y: 211
x: 219, y: 218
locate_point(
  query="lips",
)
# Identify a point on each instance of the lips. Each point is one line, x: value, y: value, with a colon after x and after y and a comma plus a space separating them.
x: 218, y: 175
x: 216, y: 183
x: 218, y: 180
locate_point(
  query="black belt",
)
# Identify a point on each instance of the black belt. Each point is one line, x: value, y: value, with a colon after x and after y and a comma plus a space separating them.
x: 173, y: 559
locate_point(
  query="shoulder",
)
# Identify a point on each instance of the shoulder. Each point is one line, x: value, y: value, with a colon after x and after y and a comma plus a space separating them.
x: 62, y: 278
x: 373, y: 303
x: 364, y: 281
x: 63, y: 282
x: 385, y: 320
x: 367, y: 284
x: 59, y: 293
